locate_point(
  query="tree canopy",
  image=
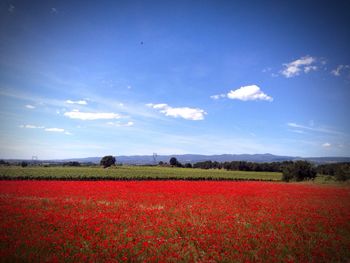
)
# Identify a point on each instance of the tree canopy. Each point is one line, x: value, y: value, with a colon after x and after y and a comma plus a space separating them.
x: 107, y: 161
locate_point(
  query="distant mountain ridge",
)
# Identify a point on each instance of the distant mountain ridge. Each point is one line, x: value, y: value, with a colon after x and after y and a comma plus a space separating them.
x: 193, y: 158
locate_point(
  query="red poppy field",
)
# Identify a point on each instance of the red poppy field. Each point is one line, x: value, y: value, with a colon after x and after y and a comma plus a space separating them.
x: 172, y: 221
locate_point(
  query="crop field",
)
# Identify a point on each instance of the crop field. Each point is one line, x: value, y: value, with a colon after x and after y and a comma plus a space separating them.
x: 131, y: 173
x: 173, y: 221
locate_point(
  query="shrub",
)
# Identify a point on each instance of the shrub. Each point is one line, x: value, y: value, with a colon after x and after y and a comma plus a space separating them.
x: 74, y: 163
x: 188, y: 165
x: 342, y: 173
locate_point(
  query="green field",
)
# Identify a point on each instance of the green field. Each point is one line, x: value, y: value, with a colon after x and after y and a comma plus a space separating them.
x: 130, y: 173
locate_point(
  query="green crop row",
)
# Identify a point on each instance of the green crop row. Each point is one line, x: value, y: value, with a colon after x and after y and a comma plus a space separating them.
x: 130, y: 173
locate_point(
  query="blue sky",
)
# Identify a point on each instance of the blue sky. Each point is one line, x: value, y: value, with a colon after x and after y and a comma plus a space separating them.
x: 86, y: 78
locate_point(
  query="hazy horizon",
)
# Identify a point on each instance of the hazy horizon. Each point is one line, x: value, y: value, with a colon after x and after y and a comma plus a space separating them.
x: 174, y: 77
x: 169, y: 155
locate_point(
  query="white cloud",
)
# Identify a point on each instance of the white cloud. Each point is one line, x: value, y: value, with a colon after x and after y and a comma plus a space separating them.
x: 68, y: 133
x: 129, y: 123
x: 53, y: 10
x: 28, y: 106
x: 218, y: 96
x: 29, y: 126
x: 80, y: 102
x: 76, y: 114
x: 54, y: 130
x: 246, y: 93
x: 326, y: 145
x: 187, y: 113
x: 295, y: 67
x: 337, y: 71
x: 120, y: 124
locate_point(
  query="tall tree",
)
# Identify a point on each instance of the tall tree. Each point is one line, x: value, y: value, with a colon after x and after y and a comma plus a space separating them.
x: 107, y: 161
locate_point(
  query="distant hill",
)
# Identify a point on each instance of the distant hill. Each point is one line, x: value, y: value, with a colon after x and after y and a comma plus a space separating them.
x: 193, y: 158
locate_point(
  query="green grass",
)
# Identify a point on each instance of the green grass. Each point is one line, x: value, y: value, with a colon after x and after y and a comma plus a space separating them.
x: 130, y: 173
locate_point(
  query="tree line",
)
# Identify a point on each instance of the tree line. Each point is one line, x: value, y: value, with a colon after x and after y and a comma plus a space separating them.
x: 292, y: 170
x: 242, y: 166
x: 341, y: 171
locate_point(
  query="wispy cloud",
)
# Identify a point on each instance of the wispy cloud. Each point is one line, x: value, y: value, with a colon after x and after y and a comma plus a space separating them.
x: 11, y: 8
x: 194, y: 114
x: 312, y: 128
x: 28, y: 106
x: 28, y: 97
x: 30, y: 126
x: 79, y: 102
x: 76, y: 114
x: 337, y: 71
x: 246, y: 93
x: 121, y: 124
x: 297, y: 131
x: 54, y: 130
x: 269, y: 71
x: 59, y: 130
x: 132, y: 108
x: 307, y: 69
x: 218, y: 96
x: 303, y: 64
